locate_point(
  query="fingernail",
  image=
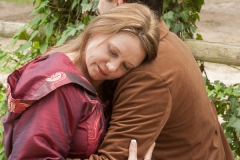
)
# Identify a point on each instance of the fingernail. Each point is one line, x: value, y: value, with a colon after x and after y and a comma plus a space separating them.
x: 134, y: 141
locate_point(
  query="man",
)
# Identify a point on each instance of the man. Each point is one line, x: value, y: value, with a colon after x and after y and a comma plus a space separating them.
x: 164, y: 101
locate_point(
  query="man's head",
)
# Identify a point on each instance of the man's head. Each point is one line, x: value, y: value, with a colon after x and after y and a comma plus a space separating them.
x: 155, y: 5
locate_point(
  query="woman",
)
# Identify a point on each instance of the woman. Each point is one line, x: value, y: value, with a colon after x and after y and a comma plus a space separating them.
x: 56, y: 108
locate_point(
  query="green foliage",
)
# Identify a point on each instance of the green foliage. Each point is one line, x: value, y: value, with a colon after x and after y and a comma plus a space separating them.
x: 57, y: 20
x: 181, y: 16
x: 226, y: 100
x: 3, y: 110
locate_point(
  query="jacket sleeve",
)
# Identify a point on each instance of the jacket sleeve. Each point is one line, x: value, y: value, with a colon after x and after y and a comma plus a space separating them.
x: 142, y: 105
x: 45, y: 130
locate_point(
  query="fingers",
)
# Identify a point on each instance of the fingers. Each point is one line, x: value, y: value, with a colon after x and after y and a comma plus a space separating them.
x: 133, y: 150
x: 148, y: 155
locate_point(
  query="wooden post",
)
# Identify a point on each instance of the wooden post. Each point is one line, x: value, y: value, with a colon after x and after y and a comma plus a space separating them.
x: 8, y: 29
x: 215, y: 52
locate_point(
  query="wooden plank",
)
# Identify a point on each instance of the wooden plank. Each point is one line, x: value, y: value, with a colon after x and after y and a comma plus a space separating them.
x: 215, y: 52
x: 8, y: 29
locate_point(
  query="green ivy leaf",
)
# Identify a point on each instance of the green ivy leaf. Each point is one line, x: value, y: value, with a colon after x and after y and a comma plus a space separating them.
x: 217, y: 87
x: 95, y: 6
x: 210, y: 93
x: 43, y: 19
x: 195, y: 17
x: 236, y: 90
x: 232, y: 120
x: 26, y: 57
x: 236, y: 125
x: 75, y: 2
x: 80, y: 26
x: 36, y: 44
x: 71, y: 30
x: 79, y: 9
x: 184, y: 15
x: 199, y: 37
x: 177, y: 9
x: 229, y: 90
x: 33, y: 35
x: 19, y: 33
x: 47, y: 11
x: 192, y: 28
x: 35, y: 21
x: 24, y: 46
x: 177, y: 27
x: 43, y: 47
x: 3, y: 54
x: 234, y: 103
x: 198, y: 4
x: 40, y: 8
x: 86, y: 6
x: 238, y: 110
x: 49, y: 29
x: 220, y: 95
x: 168, y: 16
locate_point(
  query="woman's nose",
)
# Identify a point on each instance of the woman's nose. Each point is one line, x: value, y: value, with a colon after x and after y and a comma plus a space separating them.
x: 112, y: 66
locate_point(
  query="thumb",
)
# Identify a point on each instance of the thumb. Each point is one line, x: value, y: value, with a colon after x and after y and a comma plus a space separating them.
x: 133, y: 150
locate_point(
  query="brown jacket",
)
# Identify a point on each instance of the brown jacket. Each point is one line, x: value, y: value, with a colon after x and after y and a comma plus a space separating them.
x: 165, y: 101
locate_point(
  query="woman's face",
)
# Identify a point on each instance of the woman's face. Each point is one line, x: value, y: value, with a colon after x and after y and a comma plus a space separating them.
x: 109, y: 58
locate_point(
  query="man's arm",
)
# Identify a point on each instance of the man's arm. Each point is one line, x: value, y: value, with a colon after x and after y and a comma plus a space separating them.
x: 132, y: 151
x: 142, y: 104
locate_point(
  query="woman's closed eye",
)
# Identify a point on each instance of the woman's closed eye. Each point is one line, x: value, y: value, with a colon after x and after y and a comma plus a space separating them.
x: 112, y: 52
x: 126, y: 67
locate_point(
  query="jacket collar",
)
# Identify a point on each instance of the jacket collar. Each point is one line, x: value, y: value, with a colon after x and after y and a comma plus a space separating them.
x: 163, y: 29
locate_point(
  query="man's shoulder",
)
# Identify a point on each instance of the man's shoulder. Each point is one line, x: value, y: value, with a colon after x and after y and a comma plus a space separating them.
x: 173, y: 58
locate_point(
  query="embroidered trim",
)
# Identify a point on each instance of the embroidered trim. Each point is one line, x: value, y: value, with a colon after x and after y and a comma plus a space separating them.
x: 55, y: 78
x: 94, y: 133
x: 15, y: 105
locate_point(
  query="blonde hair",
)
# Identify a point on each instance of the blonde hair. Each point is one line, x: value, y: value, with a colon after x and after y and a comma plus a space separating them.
x: 132, y: 18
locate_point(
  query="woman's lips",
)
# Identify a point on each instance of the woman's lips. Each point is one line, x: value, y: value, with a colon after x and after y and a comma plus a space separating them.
x: 101, y: 71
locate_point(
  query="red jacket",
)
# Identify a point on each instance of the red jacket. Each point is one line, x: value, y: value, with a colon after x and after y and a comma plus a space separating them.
x: 54, y: 112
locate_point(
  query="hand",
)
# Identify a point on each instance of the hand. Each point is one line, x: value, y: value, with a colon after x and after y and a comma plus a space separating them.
x: 133, y: 151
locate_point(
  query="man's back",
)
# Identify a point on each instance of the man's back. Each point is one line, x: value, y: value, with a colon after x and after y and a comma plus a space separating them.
x: 165, y: 101
x: 192, y: 130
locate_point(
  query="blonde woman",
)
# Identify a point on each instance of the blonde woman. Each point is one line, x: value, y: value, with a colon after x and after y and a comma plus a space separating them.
x: 56, y: 102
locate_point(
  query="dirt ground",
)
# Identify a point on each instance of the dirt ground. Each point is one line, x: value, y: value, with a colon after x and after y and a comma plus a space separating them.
x: 15, y: 12
x: 219, y: 22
